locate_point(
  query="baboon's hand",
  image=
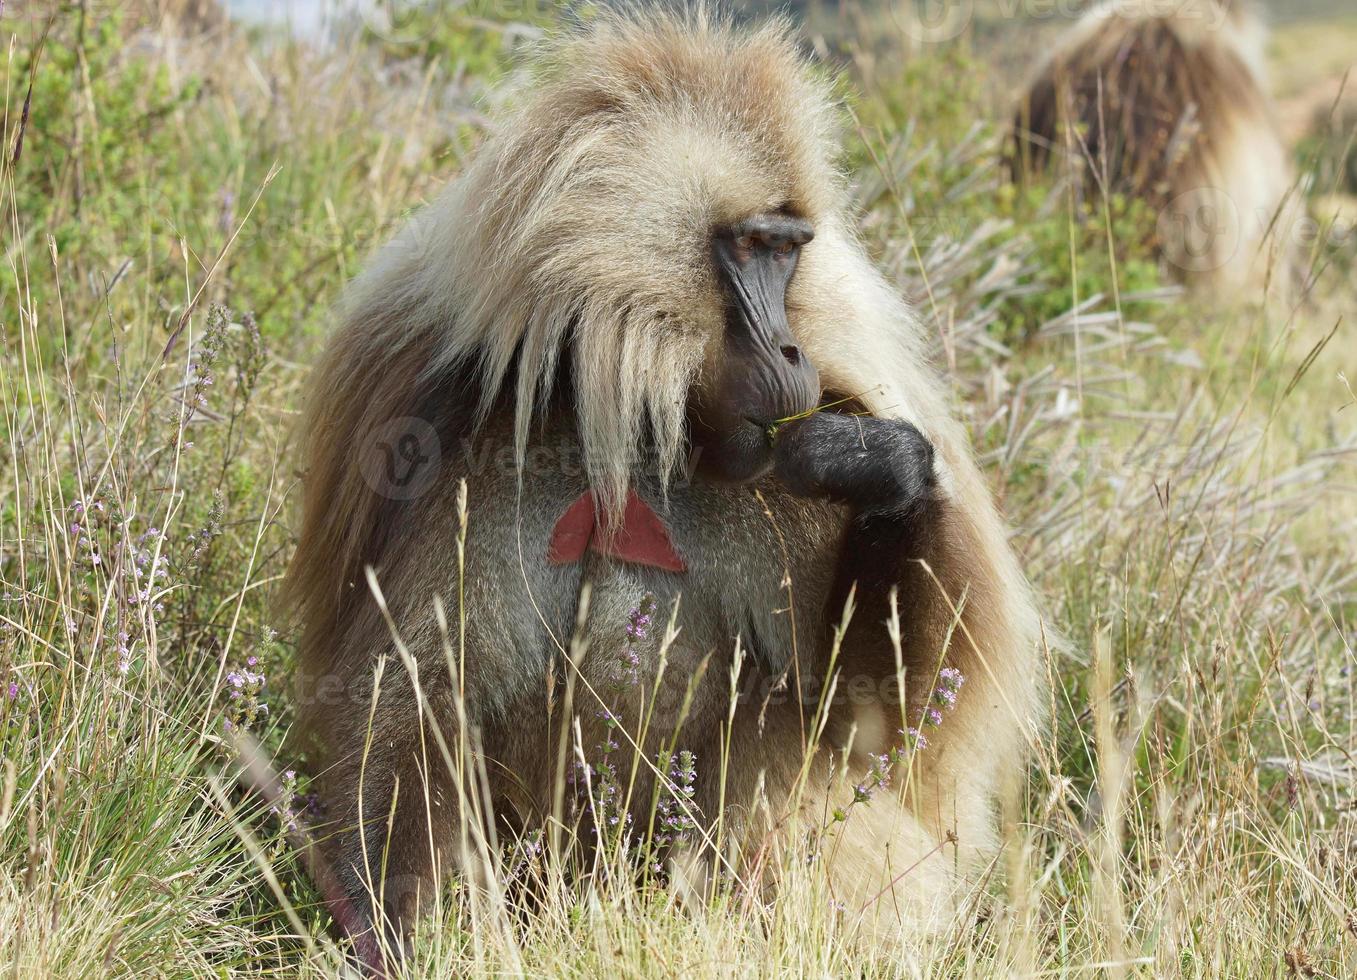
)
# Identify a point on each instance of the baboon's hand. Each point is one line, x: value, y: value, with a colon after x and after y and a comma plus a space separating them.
x: 878, y: 464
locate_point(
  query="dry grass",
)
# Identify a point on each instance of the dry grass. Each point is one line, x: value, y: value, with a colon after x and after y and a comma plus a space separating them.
x: 1180, y: 474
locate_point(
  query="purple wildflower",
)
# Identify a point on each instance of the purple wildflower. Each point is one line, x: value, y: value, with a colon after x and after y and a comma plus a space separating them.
x: 596, y: 784
x: 285, y: 807
x: 124, y: 647
x: 675, y: 820
x: 227, y: 218
x: 245, y: 689
x: 944, y: 695
x: 638, y: 629
x: 676, y: 804
x: 524, y: 853
x: 882, y: 766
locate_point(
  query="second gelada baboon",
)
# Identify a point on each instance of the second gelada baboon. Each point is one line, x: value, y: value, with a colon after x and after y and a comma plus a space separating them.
x: 1167, y: 103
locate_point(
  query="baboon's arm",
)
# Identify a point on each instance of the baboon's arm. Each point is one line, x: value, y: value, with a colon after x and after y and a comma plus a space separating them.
x: 883, y: 469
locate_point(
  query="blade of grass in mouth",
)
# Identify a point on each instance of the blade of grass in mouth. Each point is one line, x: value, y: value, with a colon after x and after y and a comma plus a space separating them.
x: 776, y: 424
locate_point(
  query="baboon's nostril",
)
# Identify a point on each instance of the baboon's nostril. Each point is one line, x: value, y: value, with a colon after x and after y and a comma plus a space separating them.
x: 792, y: 354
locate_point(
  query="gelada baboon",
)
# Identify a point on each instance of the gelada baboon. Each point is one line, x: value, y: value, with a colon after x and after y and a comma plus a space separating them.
x: 605, y: 326
x: 1166, y: 101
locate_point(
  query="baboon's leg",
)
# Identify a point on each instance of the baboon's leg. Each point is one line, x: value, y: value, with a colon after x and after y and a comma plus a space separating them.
x: 890, y: 871
x: 893, y: 880
x: 389, y: 864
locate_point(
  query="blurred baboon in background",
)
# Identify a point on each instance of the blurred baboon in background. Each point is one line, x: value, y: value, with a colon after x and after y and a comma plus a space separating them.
x: 186, y: 16
x: 1169, y: 104
x: 1332, y: 140
x: 617, y: 326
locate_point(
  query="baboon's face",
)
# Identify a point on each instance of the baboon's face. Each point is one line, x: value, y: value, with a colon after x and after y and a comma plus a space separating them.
x: 761, y: 375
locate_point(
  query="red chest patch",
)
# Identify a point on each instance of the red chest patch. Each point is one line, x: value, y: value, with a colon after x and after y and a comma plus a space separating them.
x: 641, y: 540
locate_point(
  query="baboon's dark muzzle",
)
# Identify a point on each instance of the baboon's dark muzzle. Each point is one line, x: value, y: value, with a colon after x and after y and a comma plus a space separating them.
x: 768, y: 376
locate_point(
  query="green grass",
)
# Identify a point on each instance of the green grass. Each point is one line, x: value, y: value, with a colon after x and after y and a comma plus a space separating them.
x: 1179, y: 474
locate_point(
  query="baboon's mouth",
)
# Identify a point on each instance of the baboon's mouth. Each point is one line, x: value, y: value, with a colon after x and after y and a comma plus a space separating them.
x: 771, y: 429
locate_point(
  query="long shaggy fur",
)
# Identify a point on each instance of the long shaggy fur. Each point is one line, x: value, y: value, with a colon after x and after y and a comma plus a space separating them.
x: 577, y: 243
x: 1170, y: 105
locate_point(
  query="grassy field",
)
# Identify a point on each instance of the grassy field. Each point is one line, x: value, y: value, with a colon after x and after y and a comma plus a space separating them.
x: 182, y: 200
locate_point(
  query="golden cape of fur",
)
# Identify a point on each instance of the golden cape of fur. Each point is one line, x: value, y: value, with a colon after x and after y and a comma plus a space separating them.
x: 1168, y: 102
x: 581, y: 234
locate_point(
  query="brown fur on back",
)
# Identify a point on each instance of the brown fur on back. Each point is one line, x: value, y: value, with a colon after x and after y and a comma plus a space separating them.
x: 1170, y: 108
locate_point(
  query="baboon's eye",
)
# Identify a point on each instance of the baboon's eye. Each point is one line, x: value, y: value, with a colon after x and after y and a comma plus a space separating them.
x: 785, y: 248
x: 744, y: 243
